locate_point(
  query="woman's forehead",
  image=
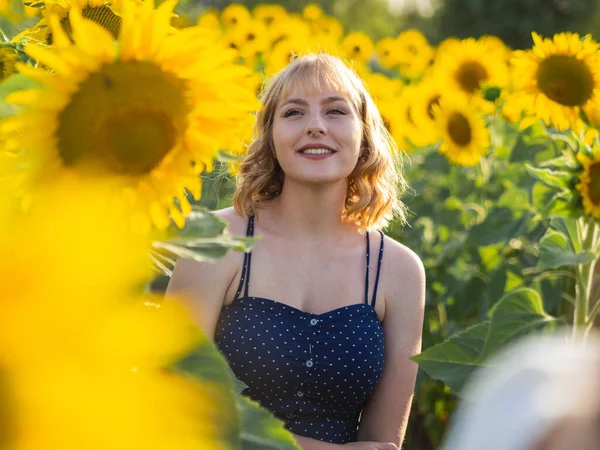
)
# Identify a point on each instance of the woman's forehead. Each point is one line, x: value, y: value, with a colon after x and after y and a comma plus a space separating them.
x: 307, y: 88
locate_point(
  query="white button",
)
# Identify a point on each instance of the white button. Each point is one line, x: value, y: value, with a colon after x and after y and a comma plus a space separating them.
x: 300, y: 394
x: 309, y: 363
x: 314, y: 322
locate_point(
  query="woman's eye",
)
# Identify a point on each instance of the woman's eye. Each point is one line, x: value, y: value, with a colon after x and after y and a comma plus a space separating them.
x: 291, y: 112
x: 336, y: 111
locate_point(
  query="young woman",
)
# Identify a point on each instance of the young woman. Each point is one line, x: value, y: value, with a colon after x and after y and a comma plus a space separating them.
x: 320, y: 319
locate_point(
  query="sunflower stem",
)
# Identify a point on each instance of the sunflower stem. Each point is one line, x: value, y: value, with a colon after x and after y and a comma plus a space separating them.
x: 587, y: 230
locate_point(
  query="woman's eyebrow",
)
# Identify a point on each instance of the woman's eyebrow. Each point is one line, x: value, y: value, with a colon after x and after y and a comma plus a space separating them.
x: 299, y: 101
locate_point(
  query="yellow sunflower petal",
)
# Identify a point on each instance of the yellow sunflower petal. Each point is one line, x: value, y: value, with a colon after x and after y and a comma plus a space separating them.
x: 91, y: 37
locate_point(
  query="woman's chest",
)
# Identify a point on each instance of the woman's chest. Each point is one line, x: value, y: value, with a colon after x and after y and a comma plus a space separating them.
x: 272, y: 347
x: 315, y: 281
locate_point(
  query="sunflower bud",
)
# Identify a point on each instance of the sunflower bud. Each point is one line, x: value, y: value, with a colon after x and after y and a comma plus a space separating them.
x: 491, y: 93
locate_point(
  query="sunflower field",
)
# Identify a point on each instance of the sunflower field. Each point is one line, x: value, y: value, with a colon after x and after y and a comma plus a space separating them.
x: 121, y: 126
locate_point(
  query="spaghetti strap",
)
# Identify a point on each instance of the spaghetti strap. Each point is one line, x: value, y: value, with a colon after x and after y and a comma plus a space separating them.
x: 245, y: 278
x: 367, y: 274
x: 380, y: 259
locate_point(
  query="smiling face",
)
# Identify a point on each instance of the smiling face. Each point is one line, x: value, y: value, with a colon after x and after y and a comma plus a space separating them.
x: 317, y: 135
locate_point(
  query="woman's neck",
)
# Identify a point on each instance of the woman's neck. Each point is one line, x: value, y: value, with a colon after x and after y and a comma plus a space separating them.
x: 311, y: 210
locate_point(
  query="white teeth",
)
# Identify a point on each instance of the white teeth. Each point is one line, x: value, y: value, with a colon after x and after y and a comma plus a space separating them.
x: 316, y: 151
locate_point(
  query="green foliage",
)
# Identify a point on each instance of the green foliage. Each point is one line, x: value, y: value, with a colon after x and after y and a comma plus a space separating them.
x: 518, y: 313
x: 557, y: 250
x: 512, y: 20
x: 453, y: 360
x: 12, y: 84
x: 203, y: 238
x: 245, y: 425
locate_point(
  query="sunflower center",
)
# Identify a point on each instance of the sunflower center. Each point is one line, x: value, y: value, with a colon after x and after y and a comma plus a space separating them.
x: 433, y: 101
x: 470, y: 76
x: 594, y: 186
x: 124, y: 119
x: 459, y: 129
x: 102, y: 15
x: 356, y: 49
x: 565, y: 80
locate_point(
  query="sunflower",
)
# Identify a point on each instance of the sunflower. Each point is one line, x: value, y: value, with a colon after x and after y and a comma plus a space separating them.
x: 465, y: 138
x: 330, y: 26
x: 84, y: 363
x: 414, y: 53
x: 406, y: 105
x: 589, y: 182
x: 269, y: 14
x: 497, y: 44
x: 395, y: 123
x: 447, y: 45
x: 382, y: 87
x: 469, y: 65
x: 428, y: 94
x: 8, y: 61
x: 387, y: 52
x: 209, y: 19
x: 250, y: 38
x: 590, y: 128
x: 105, y: 14
x: 557, y: 78
x: 234, y: 15
x: 397, y: 114
x: 282, y: 53
x: 312, y: 12
x: 152, y: 108
x: 358, y: 46
x: 292, y: 28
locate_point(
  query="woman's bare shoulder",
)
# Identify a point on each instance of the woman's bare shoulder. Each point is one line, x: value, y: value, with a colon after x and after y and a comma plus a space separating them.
x: 236, y: 224
x: 404, y: 273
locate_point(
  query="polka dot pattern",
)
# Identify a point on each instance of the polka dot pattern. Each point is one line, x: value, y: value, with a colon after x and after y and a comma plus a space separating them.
x: 315, y: 372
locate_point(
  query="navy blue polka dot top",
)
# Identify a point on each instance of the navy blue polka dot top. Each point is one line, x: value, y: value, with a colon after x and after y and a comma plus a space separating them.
x: 313, y: 371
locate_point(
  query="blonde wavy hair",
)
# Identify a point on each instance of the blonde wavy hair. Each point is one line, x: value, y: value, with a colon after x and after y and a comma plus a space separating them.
x: 376, y: 183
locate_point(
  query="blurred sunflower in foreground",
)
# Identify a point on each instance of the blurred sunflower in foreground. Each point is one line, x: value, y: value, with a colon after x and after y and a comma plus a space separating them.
x: 102, y: 12
x: 84, y: 363
x: 8, y: 61
x: 557, y: 79
x: 152, y: 108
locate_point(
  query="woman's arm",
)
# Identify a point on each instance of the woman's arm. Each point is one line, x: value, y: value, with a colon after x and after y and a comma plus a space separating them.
x: 314, y: 444
x: 386, y: 414
x: 203, y: 285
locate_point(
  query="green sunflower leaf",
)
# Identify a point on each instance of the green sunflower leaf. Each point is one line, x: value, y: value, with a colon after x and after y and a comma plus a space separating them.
x: 209, y: 367
x: 556, y: 250
x: 554, y: 178
x: 260, y: 430
x: 550, y: 203
x: 201, y: 224
x: 527, y: 151
x: 203, y: 238
x: 244, y: 424
x: 453, y: 360
x: 516, y: 314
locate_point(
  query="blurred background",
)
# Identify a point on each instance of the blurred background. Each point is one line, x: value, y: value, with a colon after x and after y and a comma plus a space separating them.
x: 511, y: 20
x: 502, y: 249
